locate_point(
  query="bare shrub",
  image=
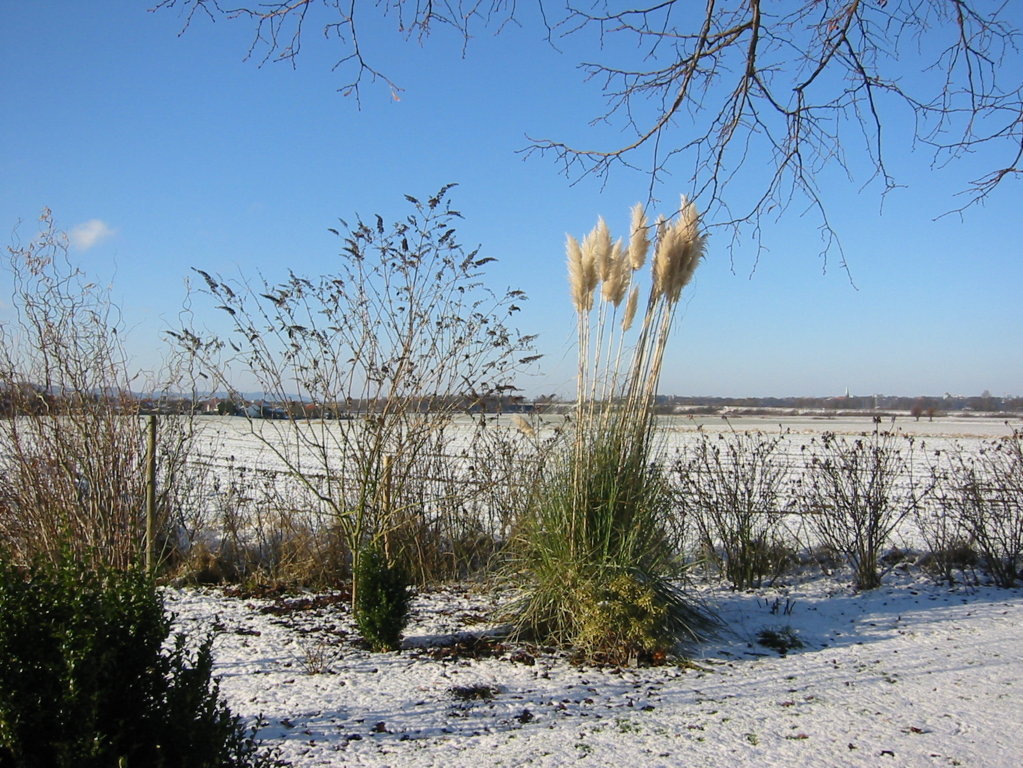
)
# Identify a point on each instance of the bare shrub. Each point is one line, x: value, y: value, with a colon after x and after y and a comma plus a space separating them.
x: 732, y: 486
x: 73, y: 446
x: 317, y: 654
x: 365, y: 366
x: 983, y: 494
x: 856, y: 491
x: 941, y: 527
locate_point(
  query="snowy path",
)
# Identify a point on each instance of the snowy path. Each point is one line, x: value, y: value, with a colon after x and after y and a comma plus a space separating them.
x: 910, y: 675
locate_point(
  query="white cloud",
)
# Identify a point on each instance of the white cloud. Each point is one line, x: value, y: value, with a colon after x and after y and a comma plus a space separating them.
x: 90, y: 233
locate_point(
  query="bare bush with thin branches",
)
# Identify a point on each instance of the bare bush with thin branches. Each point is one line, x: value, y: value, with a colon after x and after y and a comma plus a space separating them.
x: 855, y: 493
x: 366, y: 366
x: 73, y: 448
x: 734, y: 487
x: 949, y: 554
x: 982, y: 492
x: 261, y: 530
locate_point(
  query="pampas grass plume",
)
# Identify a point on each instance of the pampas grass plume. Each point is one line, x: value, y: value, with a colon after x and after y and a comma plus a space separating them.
x: 576, y: 273
x: 639, y: 240
x: 664, y: 259
x: 691, y: 246
x: 617, y: 281
x: 591, y: 265
x: 630, y: 308
x: 603, y: 249
x: 680, y: 247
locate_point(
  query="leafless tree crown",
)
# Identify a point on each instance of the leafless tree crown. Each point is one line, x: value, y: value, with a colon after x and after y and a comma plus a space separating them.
x: 700, y: 87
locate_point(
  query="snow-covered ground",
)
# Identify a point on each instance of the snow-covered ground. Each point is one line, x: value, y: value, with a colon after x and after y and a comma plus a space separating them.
x: 911, y: 674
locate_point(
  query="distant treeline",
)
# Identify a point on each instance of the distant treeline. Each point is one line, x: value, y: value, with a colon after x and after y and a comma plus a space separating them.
x: 27, y: 398
x: 919, y: 405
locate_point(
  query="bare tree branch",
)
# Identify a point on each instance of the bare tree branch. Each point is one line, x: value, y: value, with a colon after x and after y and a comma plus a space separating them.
x: 280, y: 27
x: 705, y: 89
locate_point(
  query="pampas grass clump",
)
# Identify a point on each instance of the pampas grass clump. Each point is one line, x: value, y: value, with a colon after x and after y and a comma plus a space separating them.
x: 597, y: 561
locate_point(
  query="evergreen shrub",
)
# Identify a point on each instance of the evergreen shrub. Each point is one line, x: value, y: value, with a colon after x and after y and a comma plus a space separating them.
x: 382, y: 600
x: 88, y: 677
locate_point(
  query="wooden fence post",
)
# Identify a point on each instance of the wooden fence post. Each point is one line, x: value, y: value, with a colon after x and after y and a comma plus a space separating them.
x: 150, y: 493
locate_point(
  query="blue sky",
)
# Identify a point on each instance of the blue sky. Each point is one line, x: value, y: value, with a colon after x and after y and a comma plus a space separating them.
x: 182, y: 154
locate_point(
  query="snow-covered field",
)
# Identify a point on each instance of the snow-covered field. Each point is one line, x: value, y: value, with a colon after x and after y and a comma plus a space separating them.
x: 258, y: 455
x: 909, y: 675
x: 230, y: 442
x: 912, y: 674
